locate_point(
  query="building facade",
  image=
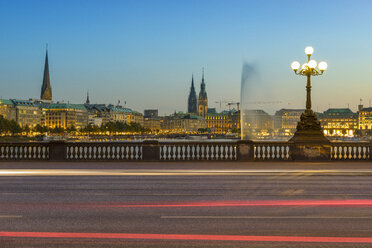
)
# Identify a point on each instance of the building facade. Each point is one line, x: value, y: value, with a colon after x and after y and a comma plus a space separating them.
x: 7, y: 109
x: 365, y: 119
x: 27, y: 113
x: 65, y: 115
x: 180, y: 122
x: 287, y: 119
x: 339, y: 122
x: 224, y: 122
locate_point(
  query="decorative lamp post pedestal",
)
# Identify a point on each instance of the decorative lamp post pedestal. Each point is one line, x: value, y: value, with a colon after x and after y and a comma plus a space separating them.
x: 309, y: 140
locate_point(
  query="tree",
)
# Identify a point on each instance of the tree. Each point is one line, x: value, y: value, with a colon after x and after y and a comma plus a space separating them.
x: 26, y: 129
x: 14, y: 127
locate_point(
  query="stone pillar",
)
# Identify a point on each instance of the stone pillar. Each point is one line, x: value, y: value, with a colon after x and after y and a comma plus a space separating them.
x: 312, y: 151
x: 150, y: 150
x: 245, y: 150
x: 57, y: 150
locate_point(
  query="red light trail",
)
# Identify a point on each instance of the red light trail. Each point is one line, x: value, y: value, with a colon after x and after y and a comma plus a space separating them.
x: 187, y: 237
x: 342, y: 203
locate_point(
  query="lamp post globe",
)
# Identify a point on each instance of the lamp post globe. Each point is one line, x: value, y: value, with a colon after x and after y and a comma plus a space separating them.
x: 309, y: 50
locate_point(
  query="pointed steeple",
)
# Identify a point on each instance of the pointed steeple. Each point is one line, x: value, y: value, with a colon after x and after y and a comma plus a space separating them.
x: 46, y: 90
x: 192, y: 101
x: 202, y: 93
x: 87, y: 101
x: 192, y: 83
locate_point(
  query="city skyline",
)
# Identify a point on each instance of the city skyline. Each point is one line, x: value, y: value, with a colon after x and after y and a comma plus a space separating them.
x: 165, y: 43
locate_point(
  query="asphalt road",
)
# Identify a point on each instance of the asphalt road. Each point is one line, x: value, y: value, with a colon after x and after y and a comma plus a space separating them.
x: 186, y: 205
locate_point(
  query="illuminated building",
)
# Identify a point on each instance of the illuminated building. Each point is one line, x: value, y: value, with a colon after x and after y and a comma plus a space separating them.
x: 339, y: 122
x: 364, y: 119
x: 65, y: 115
x: 152, y: 123
x: 7, y: 109
x: 136, y: 117
x: 287, y: 119
x: 223, y: 122
x: 27, y: 113
x: 203, y: 99
x: 180, y: 122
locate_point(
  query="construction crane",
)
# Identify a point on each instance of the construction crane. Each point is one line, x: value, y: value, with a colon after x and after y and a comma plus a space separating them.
x: 233, y: 103
x: 220, y: 102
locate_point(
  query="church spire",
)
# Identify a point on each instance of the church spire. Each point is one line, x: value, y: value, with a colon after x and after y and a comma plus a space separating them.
x: 192, y: 101
x: 87, y: 101
x: 46, y: 90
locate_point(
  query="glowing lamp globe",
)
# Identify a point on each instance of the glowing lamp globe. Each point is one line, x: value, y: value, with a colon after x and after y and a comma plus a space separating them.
x: 295, y: 65
x: 322, y: 66
x: 309, y: 50
x: 304, y: 66
x: 312, y: 64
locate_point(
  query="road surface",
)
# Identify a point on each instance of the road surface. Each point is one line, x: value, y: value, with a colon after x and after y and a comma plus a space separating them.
x: 186, y: 204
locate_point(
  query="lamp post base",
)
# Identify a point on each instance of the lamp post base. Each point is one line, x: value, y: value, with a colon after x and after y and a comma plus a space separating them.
x: 308, y: 128
x: 309, y: 140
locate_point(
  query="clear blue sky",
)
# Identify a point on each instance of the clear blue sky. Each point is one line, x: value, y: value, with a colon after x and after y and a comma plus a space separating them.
x: 144, y: 52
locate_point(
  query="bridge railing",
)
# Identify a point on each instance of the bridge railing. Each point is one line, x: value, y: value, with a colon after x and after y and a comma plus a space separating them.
x: 351, y: 151
x: 152, y: 150
x: 273, y: 150
x: 24, y: 151
x: 185, y: 151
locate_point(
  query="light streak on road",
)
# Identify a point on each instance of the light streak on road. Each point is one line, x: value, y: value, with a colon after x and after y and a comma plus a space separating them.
x: 187, y: 237
x: 176, y: 172
x: 269, y: 203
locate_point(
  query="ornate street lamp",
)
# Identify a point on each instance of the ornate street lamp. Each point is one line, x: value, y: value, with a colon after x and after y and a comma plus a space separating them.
x: 308, y: 128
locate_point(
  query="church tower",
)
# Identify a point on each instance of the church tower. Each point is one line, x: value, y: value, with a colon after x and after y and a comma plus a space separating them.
x: 87, y: 101
x: 203, y: 99
x: 46, y: 90
x: 192, y: 102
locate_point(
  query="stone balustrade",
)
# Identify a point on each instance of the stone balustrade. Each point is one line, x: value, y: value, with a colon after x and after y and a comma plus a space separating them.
x: 153, y: 150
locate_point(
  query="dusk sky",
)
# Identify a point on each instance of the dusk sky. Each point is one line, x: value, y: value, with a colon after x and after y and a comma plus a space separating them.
x: 144, y: 52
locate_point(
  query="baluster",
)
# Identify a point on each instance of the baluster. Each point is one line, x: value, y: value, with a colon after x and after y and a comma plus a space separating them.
x: 111, y: 152
x: 338, y: 152
x: 180, y: 157
x: 224, y: 152
x: 280, y: 152
x: 124, y: 152
x: 208, y: 152
x: 348, y: 148
x: 352, y: 153
x: 233, y: 153
x: 170, y: 152
x: 1, y: 152
x: 266, y: 153
x: 161, y: 151
x: 343, y: 153
x: 361, y: 152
